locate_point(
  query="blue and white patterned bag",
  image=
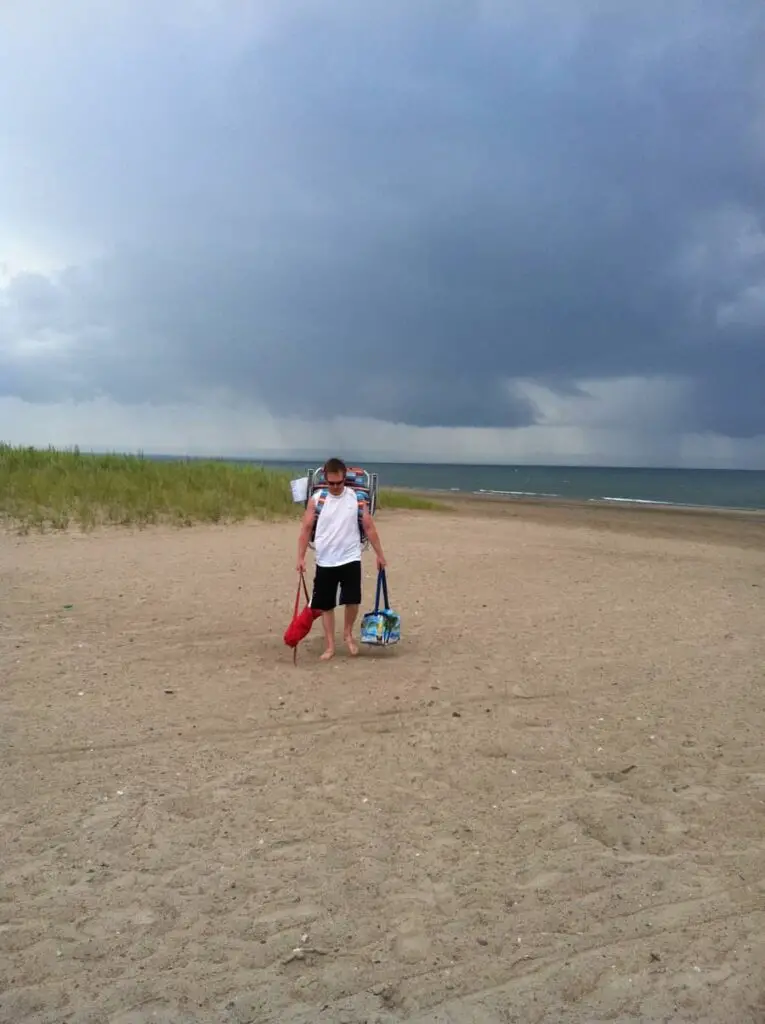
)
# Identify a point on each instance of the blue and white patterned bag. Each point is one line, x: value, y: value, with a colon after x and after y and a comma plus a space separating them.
x: 383, y: 625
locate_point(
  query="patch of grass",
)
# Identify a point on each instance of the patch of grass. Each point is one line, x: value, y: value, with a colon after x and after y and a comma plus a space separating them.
x: 52, y: 488
x: 407, y: 500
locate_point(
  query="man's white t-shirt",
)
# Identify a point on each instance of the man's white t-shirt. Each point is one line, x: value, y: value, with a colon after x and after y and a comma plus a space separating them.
x: 337, y: 539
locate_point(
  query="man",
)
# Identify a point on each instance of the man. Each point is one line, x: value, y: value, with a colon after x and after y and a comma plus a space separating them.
x: 338, y: 554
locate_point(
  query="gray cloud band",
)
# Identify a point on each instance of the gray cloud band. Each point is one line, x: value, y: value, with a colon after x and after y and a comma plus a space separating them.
x: 371, y: 224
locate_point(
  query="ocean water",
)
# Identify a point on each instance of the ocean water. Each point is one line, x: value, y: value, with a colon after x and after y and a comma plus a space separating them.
x: 717, y: 488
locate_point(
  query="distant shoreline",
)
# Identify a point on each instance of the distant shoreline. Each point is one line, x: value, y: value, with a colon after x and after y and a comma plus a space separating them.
x: 557, y: 501
x: 735, y: 528
x: 635, y: 486
x: 741, y: 491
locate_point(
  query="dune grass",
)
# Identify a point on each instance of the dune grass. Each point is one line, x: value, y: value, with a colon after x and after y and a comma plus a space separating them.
x: 59, y: 488
x: 50, y: 488
x: 407, y: 501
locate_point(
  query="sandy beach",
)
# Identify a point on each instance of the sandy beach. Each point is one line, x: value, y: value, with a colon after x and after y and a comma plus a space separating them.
x: 545, y: 806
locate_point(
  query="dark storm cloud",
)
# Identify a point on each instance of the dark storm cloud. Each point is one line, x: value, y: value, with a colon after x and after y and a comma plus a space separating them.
x: 391, y: 214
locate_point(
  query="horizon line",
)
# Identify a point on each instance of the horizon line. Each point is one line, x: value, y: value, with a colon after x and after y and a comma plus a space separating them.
x: 387, y: 460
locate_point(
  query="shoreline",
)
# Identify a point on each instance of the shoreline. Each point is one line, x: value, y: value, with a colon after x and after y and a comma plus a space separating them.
x: 729, y: 527
x: 557, y: 501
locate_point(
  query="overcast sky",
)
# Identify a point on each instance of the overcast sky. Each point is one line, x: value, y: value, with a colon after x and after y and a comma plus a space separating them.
x: 525, y: 230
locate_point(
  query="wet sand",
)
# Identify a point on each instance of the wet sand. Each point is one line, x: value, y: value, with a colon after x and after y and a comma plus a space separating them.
x: 546, y: 805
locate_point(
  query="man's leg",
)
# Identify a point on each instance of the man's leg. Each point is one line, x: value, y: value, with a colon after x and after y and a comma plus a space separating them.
x: 323, y: 599
x: 351, y: 611
x: 350, y: 596
x: 328, y: 622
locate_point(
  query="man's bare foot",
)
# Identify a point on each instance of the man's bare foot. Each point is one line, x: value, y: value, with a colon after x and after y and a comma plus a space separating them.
x: 329, y: 653
x: 350, y: 643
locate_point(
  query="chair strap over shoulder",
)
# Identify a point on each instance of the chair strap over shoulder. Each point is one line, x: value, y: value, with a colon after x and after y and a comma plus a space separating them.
x: 361, y: 501
x: 320, y: 499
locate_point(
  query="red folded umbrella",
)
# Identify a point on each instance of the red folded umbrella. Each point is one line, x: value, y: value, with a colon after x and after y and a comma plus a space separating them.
x: 302, y: 621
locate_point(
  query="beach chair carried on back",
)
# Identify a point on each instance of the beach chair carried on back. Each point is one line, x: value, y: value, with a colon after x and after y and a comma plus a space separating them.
x: 359, y: 480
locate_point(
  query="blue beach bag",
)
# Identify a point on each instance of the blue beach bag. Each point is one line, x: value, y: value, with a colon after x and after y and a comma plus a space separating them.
x: 382, y: 626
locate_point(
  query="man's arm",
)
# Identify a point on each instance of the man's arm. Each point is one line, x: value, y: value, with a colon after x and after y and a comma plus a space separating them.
x: 306, y: 526
x: 374, y: 537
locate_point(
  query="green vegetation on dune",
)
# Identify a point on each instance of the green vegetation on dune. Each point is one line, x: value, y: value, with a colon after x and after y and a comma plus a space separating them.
x: 407, y: 500
x: 59, y: 488
x: 42, y: 488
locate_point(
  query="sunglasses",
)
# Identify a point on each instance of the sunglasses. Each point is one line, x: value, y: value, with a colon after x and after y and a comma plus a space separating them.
x: 335, y: 483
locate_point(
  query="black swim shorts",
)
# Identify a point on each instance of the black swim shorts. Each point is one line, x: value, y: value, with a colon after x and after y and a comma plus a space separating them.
x: 327, y: 580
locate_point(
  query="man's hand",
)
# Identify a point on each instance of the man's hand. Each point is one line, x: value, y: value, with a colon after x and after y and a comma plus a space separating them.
x: 381, y: 563
x: 301, y: 565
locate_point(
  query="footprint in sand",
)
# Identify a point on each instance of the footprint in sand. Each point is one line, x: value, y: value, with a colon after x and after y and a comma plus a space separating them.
x: 411, y: 944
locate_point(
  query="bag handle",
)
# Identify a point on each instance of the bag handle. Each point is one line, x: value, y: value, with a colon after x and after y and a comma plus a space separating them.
x: 382, y: 584
x: 305, y: 591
